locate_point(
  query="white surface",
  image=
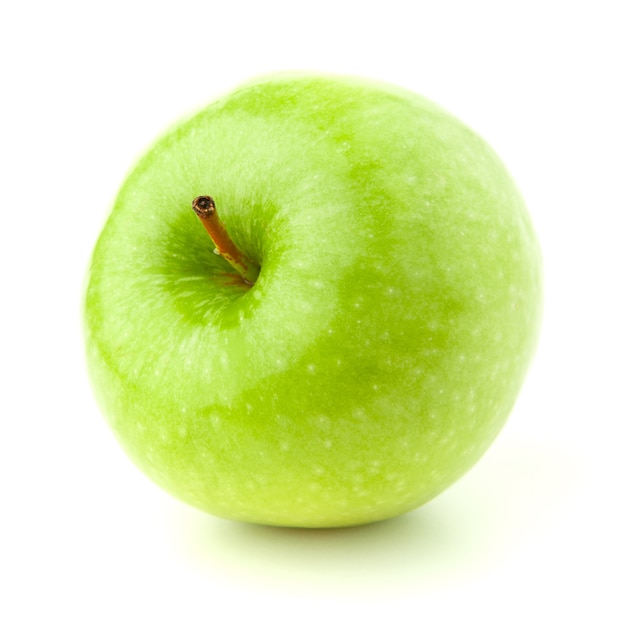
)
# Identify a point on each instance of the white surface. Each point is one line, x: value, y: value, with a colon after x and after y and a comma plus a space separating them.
x: 534, y: 534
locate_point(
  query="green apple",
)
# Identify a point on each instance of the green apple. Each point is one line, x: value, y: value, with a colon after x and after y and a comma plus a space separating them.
x: 383, y: 343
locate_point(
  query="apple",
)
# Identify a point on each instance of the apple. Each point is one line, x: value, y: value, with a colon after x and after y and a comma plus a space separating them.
x: 352, y: 332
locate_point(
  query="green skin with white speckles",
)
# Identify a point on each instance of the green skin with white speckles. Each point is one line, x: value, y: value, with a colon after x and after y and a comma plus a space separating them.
x: 386, y: 339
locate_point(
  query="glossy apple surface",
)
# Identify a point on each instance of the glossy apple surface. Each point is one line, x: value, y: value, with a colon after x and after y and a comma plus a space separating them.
x: 386, y: 339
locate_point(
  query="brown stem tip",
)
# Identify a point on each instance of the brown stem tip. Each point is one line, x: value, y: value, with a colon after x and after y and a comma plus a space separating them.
x: 204, y: 206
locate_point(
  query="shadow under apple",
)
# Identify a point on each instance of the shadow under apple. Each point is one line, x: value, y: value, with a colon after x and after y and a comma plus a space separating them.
x: 462, y: 534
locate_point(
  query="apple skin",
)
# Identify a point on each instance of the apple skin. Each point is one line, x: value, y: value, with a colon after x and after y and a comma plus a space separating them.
x: 387, y: 337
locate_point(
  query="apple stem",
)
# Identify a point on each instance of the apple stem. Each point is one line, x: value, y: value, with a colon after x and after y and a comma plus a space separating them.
x: 204, y: 208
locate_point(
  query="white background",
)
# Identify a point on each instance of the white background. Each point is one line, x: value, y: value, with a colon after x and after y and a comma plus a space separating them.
x: 533, y: 534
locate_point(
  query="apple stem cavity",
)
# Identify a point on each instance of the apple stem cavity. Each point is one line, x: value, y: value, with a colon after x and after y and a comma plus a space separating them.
x: 204, y: 208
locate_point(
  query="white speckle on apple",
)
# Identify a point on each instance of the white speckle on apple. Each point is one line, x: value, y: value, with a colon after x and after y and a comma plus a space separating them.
x: 311, y: 368
x: 400, y: 485
x: 328, y: 443
x: 322, y: 422
x: 359, y: 413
